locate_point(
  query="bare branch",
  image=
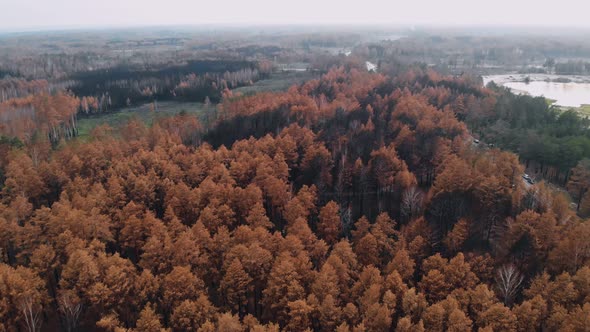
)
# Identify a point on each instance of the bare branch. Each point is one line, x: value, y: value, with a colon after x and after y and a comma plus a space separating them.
x: 508, y: 281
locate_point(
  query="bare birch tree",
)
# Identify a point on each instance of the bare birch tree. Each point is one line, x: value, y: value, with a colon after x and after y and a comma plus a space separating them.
x: 411, y: 203
x: 70, y: 308
x: 508, y: 281
x: 30, y: 312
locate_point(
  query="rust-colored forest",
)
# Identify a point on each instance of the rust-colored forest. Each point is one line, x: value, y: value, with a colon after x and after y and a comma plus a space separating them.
x: 357, y: 201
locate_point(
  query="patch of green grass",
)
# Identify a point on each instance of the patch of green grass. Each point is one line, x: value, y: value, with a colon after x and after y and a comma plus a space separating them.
x: 280, y: 81
x: 143, y: 113
x: 584, y: 110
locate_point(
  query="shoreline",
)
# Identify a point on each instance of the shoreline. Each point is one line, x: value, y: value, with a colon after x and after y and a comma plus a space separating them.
x: 557, y: 84
x: 516, y: 77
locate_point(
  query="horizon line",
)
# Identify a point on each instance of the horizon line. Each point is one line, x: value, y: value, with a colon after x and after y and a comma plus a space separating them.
x: 413, y: 26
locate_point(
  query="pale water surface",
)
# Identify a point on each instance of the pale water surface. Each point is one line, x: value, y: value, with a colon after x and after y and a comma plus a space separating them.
x: 571, y: 94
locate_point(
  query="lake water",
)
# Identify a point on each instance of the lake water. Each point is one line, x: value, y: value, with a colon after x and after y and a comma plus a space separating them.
x: 571, y: 94
x: 565, y: 94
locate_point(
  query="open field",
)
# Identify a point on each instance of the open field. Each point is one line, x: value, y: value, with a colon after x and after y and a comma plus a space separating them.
x: 280, y: 81
x: 143, y: 113
x: 584, y: 110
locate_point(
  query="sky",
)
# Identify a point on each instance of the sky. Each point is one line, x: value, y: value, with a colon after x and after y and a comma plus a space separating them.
x: 21, y: 15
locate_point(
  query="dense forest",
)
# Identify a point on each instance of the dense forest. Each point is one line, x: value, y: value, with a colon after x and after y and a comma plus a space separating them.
x: 110, y: 89
x: 353, y: 202
x: 549, y: 140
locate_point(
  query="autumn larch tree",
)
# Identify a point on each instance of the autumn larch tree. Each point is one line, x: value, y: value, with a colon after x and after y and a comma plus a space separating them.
x: 329, y: 225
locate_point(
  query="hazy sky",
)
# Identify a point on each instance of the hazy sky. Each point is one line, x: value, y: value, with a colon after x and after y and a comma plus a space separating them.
x: 27, y: 14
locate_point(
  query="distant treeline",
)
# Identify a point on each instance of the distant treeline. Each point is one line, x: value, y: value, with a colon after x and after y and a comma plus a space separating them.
x: 196, y: 81
x: 569, y: 67
x: 572, y: 68
x: 4, y: 73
